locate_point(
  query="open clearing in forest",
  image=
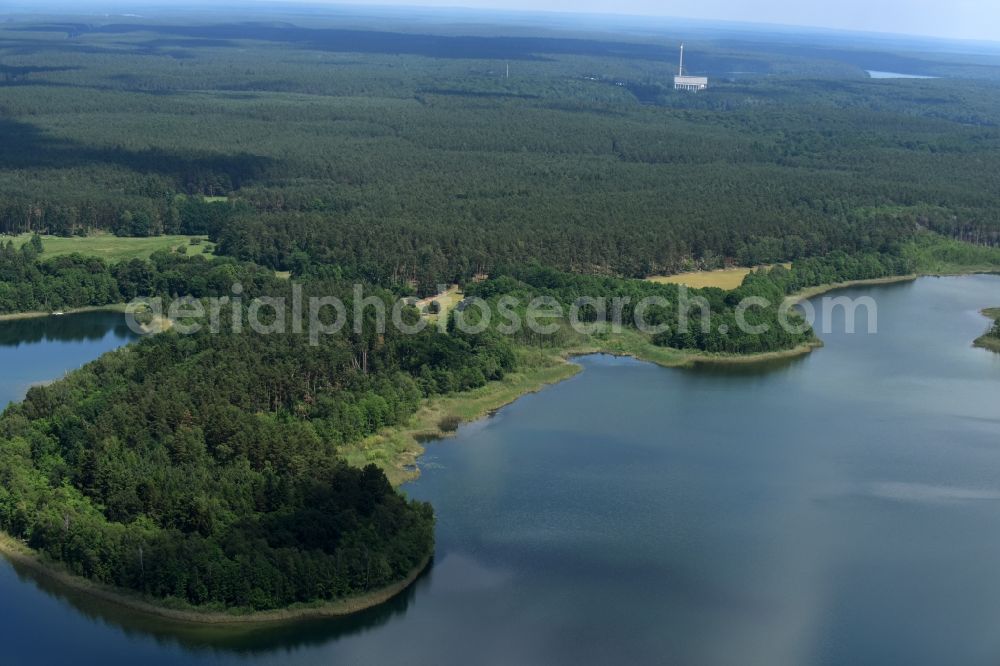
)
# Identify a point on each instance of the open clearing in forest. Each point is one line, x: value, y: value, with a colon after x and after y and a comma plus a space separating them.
x: 446, y: 299
x: 723, y: 278
x: 113, y: 248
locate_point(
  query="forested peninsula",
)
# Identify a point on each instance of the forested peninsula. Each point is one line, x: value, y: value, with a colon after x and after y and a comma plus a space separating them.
x: 204, y: 468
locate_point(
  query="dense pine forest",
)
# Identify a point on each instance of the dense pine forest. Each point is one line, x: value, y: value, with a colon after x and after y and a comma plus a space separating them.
x: 210, y: 468
x: 370, y: 152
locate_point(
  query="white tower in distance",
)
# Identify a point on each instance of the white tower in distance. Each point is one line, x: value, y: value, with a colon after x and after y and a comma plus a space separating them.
x: 689, y: 83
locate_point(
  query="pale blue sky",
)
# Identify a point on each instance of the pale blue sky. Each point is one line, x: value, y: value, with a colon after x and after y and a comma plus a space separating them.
x: 962, y: 19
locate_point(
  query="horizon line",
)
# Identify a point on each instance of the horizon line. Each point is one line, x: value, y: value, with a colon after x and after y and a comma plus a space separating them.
x: 113, y: 7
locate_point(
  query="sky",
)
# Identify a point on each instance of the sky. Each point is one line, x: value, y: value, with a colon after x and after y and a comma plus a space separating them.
x: 957, y: 19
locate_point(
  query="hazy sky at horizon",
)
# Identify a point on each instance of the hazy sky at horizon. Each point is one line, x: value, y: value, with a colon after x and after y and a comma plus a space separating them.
x: 961, y: 19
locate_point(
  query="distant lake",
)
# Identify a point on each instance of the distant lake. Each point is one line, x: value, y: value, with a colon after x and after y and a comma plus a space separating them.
x: 839, y: 508
x: 42, y: 349
x: 875, y: 74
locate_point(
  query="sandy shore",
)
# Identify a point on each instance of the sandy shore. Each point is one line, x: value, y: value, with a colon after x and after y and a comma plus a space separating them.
x: 811, y: 292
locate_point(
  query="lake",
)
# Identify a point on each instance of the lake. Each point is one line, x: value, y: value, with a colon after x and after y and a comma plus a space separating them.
x: 838, y: 508
x: 39, y: 350
x: 876, y: 74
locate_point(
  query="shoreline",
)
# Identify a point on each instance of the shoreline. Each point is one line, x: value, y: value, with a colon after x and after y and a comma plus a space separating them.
x: 820, y: 289
x: 668, y: 357
x: 397, y: 448
x: 987, y: 341
x: 759, y: 357
x: 38, y: 314
x: 19, y: 554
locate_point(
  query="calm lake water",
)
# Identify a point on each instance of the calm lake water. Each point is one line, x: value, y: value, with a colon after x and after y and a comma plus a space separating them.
x: 876, y: 74
x: 37, y: 351
x: 841, y: 508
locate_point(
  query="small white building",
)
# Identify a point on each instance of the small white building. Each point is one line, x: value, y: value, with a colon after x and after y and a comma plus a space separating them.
x: 692, y: 83
x: 689, y: 83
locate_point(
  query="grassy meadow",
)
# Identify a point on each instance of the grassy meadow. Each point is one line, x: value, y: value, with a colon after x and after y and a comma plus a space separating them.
x: 396, y: 449
x: 113, y: 248
x: 447, y: 299
x: 723, y: 278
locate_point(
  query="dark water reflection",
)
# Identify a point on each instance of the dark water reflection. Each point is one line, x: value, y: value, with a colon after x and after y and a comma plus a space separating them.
x: 82, y: 327
x: 839, y: 508
x: 239, y: 639
x: 39, y: 350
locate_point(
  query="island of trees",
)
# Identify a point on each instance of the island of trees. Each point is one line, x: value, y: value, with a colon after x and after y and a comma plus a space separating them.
x: 991, y: 338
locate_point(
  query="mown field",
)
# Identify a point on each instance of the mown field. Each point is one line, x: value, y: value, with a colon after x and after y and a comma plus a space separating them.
x: 113, y: 248
x: 723, y: 278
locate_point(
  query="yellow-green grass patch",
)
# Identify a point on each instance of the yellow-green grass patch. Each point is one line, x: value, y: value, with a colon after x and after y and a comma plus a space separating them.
x: 113, y: 248
x: 396, y: 449
x: 988, y: 340
x: 723, y: 278
x: 447, y: 299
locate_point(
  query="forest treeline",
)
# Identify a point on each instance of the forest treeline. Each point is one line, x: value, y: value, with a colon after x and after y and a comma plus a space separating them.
x: 408, y: 253
x: 698, y: 320
x: 777, y: 282
x: 155, y: 215
x: 773, y: 285
x: 695, y: 320
x: 404, y: 170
